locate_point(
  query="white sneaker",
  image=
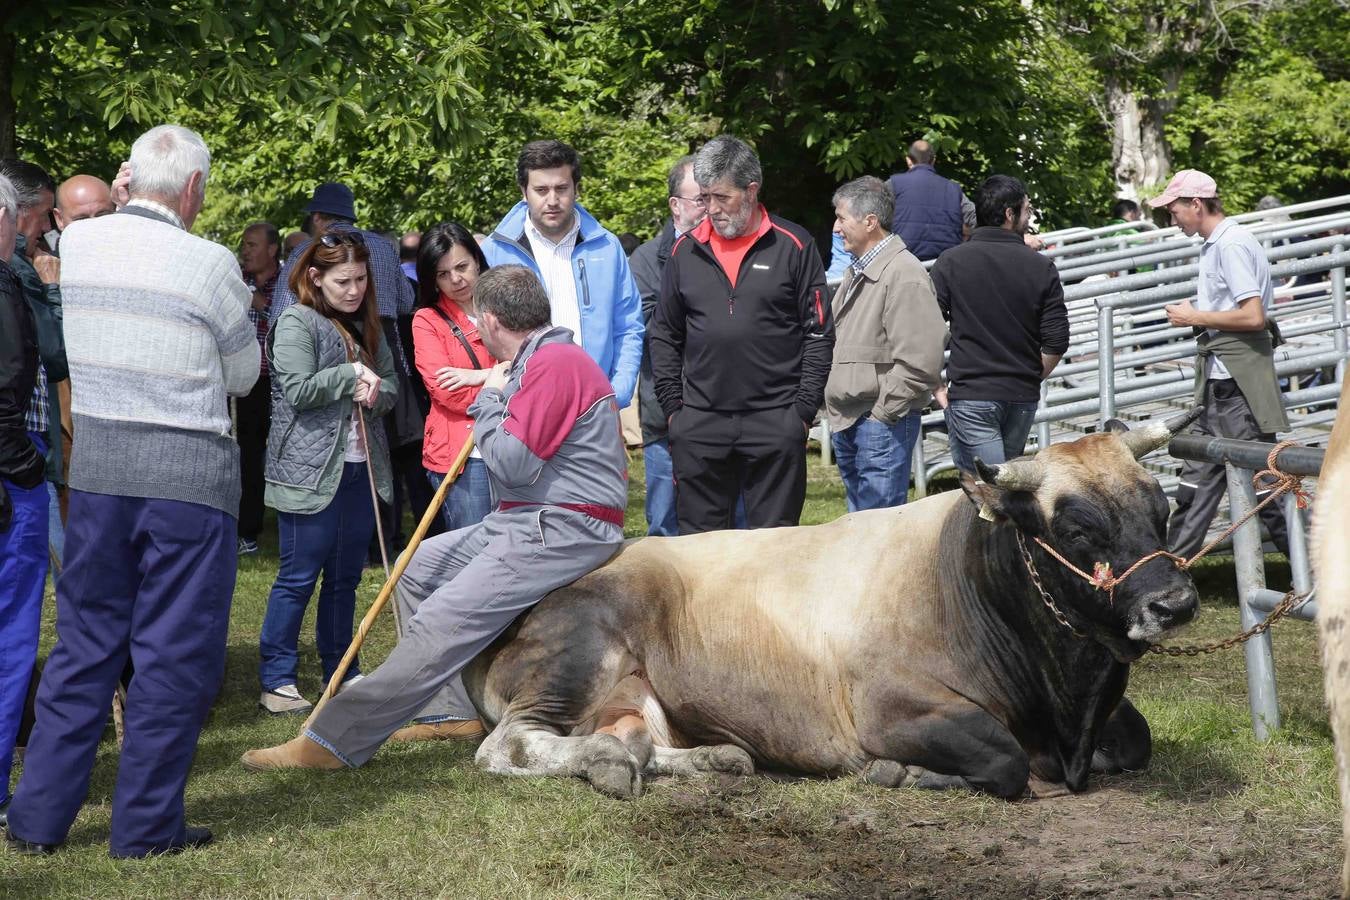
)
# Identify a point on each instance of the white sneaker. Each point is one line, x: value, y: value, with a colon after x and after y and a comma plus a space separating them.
x: 284, y: 701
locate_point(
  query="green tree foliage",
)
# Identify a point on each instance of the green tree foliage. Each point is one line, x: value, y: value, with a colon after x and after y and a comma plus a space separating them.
x: 422, y: 105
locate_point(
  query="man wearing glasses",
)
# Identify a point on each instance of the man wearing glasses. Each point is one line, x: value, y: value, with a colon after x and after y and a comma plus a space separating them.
x: 741, y: 341
x: 648, y: 262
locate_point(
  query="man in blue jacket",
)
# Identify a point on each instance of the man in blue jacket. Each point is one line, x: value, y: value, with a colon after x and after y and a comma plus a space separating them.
x: 583, y: 268
x: 928, y: 209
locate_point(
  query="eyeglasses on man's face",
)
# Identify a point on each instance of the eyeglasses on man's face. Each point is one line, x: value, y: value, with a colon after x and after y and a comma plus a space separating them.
x: 697, y: 201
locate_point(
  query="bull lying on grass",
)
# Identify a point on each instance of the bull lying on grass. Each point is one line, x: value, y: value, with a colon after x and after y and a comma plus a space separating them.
x: 909, y: 645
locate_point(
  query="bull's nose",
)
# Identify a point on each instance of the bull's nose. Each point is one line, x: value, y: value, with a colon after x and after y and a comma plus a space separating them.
x: 1170, y: 610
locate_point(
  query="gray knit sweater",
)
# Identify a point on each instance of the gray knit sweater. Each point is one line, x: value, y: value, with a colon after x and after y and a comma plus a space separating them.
x: 157, y: 335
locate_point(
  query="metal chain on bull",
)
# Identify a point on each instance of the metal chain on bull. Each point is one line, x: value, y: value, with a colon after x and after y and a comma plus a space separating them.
x: 1102, y: 579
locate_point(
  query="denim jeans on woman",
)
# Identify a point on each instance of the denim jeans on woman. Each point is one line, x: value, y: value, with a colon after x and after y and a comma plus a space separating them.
x: 331, y: 543
x: 994, y: 430
x: 874, y: 460
x: 469, y: 499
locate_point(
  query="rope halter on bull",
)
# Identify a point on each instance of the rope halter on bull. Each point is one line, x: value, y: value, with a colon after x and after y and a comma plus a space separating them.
x: 1272, y: 479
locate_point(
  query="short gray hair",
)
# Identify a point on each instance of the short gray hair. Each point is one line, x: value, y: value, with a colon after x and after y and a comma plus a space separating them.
x: 9, y: 199
x: 515, y: 296
x: 164, y: 158
x: 727, y: 157
x: 867, y: 195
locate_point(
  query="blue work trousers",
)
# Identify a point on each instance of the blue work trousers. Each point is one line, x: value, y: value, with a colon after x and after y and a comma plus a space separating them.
x: 145, y: 579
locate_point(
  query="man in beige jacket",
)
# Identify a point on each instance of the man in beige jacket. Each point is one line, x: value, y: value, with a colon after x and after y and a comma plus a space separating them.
x: 889, y: 336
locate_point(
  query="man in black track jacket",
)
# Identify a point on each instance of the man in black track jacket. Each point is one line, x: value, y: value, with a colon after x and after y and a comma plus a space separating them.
x: 741, y: 343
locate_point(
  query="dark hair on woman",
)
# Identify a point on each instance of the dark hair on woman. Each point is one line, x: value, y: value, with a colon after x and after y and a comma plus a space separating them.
x: 436, y: 242
x: 330, y: 249
x: 997, y: 194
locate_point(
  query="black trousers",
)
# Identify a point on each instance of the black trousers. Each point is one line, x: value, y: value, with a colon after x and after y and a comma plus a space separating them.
x: 1203, y: 484
x: 718, y: 456
x: 253, y: 417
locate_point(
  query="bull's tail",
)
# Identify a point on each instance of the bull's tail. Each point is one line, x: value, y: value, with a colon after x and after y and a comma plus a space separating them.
x: 1331, y: 558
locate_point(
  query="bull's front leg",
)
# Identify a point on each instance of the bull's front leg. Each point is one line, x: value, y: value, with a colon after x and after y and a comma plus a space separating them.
x: 956, y: 745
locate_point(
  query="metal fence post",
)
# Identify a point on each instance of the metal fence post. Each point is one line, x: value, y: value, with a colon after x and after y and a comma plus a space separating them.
x: 1338, y: 313
x: 1043, y: 427
x: 1105, y: 364
x: 919, y: 468
x: 1249, y: 562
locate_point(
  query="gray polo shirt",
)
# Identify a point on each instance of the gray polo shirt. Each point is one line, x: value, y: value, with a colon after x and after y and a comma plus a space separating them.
x: 1233, y: 267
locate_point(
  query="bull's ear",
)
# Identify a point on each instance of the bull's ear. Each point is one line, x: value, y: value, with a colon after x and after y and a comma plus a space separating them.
x: 1115, y: 426
x: 987, y: 498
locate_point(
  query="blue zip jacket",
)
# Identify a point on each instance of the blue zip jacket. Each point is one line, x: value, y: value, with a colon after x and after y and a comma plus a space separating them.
x: 611, y: 310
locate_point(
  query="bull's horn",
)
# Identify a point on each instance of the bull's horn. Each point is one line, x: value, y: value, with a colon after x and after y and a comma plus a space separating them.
x: 1018, y: 475
x: 1176, y: 423
x: 1150, y: 437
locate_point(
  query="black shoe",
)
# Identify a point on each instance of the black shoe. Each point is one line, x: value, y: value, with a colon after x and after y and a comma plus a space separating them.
x: 27, y: 848
x: 4, y: 814
x: 194, y: 836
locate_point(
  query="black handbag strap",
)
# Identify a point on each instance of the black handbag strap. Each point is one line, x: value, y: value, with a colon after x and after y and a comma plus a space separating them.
x: 459, y: 334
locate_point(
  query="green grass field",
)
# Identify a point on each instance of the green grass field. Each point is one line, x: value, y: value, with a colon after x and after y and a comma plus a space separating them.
x: 1217, y: 815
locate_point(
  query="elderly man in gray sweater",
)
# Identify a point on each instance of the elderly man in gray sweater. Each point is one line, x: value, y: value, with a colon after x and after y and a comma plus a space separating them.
x: 157, y: 336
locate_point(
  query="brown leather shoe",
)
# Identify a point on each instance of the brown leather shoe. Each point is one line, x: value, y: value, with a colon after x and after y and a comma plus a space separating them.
x: 299, y: 753
x: 450, y: 730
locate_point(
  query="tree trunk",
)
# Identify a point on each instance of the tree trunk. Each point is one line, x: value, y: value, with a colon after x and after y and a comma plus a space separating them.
x: 7, y: 105
x: 1140, y: 157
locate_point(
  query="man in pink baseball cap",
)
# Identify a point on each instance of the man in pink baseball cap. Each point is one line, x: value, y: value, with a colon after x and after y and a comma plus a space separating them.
x: 1188, y: 183
x: 1235, y: 339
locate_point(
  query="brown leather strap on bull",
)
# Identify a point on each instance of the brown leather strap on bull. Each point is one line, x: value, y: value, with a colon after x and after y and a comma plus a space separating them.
x: 1280, y: 483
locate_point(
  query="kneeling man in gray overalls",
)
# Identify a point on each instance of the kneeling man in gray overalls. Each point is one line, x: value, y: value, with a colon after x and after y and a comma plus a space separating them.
x: 548, y: 427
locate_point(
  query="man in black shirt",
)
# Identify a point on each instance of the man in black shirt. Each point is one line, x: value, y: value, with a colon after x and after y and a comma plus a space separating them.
x: 1009, y: 328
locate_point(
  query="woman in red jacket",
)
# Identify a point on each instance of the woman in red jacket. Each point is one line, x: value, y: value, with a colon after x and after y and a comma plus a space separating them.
x: 453, y: 364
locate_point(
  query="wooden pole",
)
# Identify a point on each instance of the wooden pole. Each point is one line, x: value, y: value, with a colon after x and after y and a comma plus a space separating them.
x: 387, y: 591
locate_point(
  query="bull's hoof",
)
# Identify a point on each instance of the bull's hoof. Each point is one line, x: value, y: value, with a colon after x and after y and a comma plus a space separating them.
x: 1045, y: 790
x: 889, y: 773
x: 725, y: 758
x: 617, y: 778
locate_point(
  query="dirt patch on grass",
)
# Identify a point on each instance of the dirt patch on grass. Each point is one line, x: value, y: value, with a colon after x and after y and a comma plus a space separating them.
x: 1110, y: 842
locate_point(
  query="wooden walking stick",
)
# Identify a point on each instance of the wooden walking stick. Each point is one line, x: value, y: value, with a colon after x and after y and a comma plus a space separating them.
x: 334, y: 683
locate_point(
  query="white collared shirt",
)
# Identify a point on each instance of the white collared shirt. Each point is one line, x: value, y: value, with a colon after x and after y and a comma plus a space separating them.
x: 159, y: 208
x: 555, y: 269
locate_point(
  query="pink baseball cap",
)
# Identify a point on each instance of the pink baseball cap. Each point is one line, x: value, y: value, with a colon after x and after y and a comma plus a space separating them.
x: 1186, y: 183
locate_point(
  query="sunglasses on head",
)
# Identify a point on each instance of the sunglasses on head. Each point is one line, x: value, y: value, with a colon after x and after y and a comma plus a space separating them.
x: 338, y: 238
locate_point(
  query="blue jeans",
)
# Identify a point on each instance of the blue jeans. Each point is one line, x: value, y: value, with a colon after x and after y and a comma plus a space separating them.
x: 994, y: 430
x: 874, y: 460
x: 331, y: 542
x: 56, y: 532
x: 661, y: 519
x: 469, y: 499
x: 23, y: 573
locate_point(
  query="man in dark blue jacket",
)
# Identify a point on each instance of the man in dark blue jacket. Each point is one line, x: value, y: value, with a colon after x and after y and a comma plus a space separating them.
x: 927, y: 206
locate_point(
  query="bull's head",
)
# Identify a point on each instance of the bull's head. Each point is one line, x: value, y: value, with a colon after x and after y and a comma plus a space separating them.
x: 1100, y: 509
